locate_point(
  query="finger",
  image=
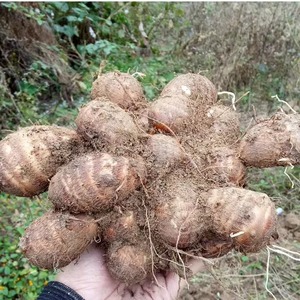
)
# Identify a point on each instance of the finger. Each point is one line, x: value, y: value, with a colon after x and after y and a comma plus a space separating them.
x: 196, y: 266
x: 89, y: 276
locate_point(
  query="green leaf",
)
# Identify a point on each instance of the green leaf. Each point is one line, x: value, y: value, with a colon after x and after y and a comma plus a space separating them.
x: 40, y: 21
x: 62, y: 6
x: 67, y: 30
x: 20, y: 230
x: 4, y: 291
x: 7, y: 270
x: 245, y: 258
x: 121, y: 33
x: 108, y: 22
x: 91, y: 48
x: 10, y: 5
x: 72, y: 18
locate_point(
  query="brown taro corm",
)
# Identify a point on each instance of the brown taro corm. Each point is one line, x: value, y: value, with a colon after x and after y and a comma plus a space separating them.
x: 224, y: 166
x: 273, y: 142
x: 166, y: 150
x: 247, y: 217
x: 106, y: 124
x: 95, y: 182
x: 119, y: 88
x: 181, y: 103
x: 129, y: 263
x: 30, y: 156
x: 55, y: 239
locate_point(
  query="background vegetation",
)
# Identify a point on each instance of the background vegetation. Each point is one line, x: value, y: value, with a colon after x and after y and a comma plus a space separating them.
x: 51, y: 52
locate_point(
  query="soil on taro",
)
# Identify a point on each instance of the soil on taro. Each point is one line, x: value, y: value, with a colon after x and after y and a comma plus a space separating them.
x: 238, y: 276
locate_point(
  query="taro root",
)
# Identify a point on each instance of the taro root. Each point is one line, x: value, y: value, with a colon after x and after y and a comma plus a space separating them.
x: 178, y: 221
x: 55, y: 239
x: 105, y: 123
x: 122, y: 227
x: 95, y: 182
x: 120, y: 88
x: 224, y: 125
x: 129, y: 263
x: 30, y: 156
x: 169, y: 114
x: 182, y: 103
x: 193, y: 86
x: 248, y: 217
x: 166, y: 150
x: 273, y: 142
x: 224, y: 167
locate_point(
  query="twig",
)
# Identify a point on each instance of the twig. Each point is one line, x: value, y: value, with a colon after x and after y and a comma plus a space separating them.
x: 232, y: 98
x: 267, y: 274
x: 118, y: 10
x: 282, y: 101
x: 254, y: 113
x: 139, y: 74
x: 246, y: 130
x: 82, y: 57
x: 285, y: 252
x: 282, y: 251
x: 233, y: 235
x: 151, y: 245
x: 286, y: 168
x: 244, y: 95
x: 101, y: 68
x: 190, y: 255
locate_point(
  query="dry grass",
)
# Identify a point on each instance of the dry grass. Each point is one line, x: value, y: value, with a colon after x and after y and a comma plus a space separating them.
x: 246, y: 45
x: 237, y: 276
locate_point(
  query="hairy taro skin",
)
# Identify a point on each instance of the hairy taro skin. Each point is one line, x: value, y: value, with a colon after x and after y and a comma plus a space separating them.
x: 105, y: 123
x: 168, y: 114
x: 181, y: 103
x: 123, y: 228
x: 225, y: 126
x: 225, y: 167
x: 95, y: 182
x: 129, y: 263
x: 194, y: 86
x: 55, y: 239
x: 120, y: 88
x: 273, y: 142
x: 250, y: 215
x: 166, y: 150
x: 30, y: 156
x: 178, y: 220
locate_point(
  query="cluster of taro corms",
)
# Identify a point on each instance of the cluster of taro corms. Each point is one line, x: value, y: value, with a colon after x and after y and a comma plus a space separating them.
x: 152, y: 183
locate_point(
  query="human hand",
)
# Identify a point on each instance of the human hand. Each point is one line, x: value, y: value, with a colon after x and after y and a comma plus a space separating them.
x: 90, y: 278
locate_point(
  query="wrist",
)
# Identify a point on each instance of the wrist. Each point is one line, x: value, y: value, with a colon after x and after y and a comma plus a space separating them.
x: 57, y: 290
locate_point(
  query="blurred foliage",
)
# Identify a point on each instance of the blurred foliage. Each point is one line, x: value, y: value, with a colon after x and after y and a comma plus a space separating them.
x: 50, y: 53
x: 241, y: 46
x: 123, y: 36
x: 246, y: 46
x: 281, y: 184
x: 19, y: 280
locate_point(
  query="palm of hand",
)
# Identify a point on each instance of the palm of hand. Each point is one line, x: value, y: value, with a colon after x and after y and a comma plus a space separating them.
x: 90, y: 278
